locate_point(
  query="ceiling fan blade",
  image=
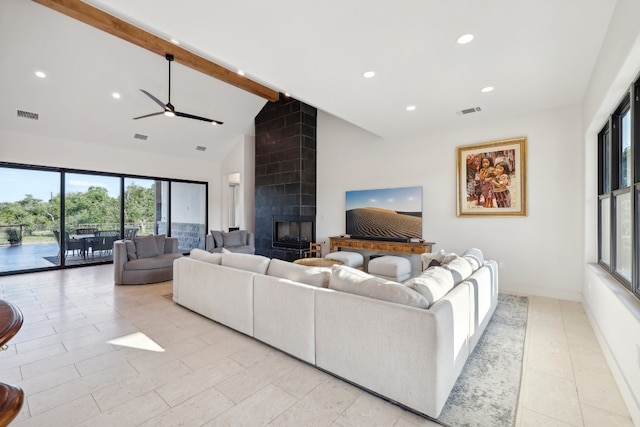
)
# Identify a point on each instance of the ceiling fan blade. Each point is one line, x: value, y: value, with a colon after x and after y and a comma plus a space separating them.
x: 157, y: 101
x: 148, y: 115
x: 191, y: 116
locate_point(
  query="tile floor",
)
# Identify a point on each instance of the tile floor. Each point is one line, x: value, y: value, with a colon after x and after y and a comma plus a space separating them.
x: 93, y: 354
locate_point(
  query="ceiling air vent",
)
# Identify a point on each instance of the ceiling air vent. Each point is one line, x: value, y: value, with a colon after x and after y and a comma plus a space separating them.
x: 140, y: 136
x: 468, y: 111
x: 28, y: 115
x: 200, y: 148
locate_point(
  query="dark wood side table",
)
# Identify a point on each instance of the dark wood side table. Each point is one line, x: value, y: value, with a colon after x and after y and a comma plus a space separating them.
x: 11, y: 397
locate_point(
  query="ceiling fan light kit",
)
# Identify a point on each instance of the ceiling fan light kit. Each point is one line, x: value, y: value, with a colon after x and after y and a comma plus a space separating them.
x: 168, y: 109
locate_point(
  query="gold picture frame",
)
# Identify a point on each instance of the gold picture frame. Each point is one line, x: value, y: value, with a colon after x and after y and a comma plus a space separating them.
x: 491, y: 179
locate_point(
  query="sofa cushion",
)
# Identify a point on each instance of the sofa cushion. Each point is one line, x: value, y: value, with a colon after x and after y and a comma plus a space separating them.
x: 131, y: 249
x: 353, y: 281
x: 243, y: 236
x: 432, y: 284
x: 206, y: 256
x: 160, y: 261
x: 232, y: 238
x: 248, y: 262
x: 217, y: 238
x: 474, y: 257
x: 146, y: 246
x: 160, y: 239
x: 459, y: 268
x: 314, y: 276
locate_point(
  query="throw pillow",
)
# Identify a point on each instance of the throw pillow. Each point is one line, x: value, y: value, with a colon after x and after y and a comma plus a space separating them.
x: 314, y: 276
x: 217, y: 238
x: 131, y: 250
x: 243, y: 237
x: 255, y: 263
x: 432, y: 284
x: 434, y: 263
x: 353, y: 281
x: 232, y: 239
x: 146, y: 246
x: 206, y: 256
x: 160, y: 239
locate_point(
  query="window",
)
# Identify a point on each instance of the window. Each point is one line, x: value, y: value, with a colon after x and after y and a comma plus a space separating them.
x: 72, y: 217
x: 619, y: 192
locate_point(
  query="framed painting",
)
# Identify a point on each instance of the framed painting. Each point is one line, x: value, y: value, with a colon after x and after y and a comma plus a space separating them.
x: 492, y: 178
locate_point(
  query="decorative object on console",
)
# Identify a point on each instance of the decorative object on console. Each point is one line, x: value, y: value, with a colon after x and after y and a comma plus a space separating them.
x: 392, y: 213
x: 491, y: 178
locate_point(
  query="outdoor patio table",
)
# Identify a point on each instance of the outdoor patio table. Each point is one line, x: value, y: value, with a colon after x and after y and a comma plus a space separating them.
x: 86, y: 242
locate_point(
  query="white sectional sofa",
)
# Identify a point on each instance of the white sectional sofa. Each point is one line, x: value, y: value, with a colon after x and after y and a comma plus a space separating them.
x: 405, y: 342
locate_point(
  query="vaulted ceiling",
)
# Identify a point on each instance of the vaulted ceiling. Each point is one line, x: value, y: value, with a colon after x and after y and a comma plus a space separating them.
x: 536, y: 55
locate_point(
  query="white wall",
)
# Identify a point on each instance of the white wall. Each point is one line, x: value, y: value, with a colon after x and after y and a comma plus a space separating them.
x: 614, y: 313
x: 540, y: 254
x: 37, y: 150
x: 241, y: 159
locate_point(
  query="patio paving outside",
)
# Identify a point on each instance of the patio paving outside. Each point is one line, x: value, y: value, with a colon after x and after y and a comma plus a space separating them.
x: 38, y: 255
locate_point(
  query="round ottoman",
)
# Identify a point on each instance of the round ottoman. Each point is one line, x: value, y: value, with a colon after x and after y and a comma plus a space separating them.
x: 391, y: 267
x: 351, y: 259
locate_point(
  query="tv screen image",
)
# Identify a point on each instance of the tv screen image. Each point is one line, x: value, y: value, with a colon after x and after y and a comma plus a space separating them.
x: 392, y: 213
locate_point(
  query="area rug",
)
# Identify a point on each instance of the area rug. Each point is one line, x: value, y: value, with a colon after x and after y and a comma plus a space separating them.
x: 486, y: 393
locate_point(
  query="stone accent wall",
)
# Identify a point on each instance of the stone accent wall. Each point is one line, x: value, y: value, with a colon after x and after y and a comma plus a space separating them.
x: 285, y: 174
x: 189, y: 235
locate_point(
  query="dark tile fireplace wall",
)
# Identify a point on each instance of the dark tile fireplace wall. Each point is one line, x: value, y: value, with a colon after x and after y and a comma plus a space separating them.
x: 285, y: 175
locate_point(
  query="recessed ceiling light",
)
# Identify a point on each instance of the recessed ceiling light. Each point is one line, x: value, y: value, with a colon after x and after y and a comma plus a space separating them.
x: 41, y: 74
x: 465, y: 38
x: 116, y: 95
x: 241, y: 72
x: 368, y: 74
x: 411, y: 107
x: 486, y: 89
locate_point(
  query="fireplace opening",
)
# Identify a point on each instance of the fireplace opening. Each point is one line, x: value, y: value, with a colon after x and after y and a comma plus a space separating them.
x: 293, y: 232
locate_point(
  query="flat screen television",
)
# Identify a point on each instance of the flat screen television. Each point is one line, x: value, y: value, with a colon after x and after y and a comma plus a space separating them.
x: 384, y: 214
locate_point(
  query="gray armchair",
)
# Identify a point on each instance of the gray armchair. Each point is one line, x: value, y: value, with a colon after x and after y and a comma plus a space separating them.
x: 241, y: 241
x: 146, y: 259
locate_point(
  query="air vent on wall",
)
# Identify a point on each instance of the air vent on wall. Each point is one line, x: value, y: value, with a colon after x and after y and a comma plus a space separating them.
x: 140, y: 136
x: 468, y: 111
x: 200, y: 148
x: 28, y: 115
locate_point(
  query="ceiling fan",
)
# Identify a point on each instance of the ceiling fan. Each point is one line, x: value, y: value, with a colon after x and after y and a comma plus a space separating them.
x: 168, y: 109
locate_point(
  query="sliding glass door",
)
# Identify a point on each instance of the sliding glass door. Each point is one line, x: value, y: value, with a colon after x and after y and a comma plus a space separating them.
x: 55, y: 217
x: 92, y: 217
x: 188, y: 214
x: 29, y: 212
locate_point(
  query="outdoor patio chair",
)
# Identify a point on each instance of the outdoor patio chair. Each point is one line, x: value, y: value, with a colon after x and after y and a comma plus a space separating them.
x: 72, y: 245
x: 103, y: 241
x: 130, y: 233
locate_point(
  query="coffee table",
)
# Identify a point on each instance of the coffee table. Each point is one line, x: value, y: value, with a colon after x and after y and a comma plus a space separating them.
x: 318, y: 262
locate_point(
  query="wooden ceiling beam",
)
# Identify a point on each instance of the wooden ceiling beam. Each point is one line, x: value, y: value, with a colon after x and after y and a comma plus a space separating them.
x: 103, y: 21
